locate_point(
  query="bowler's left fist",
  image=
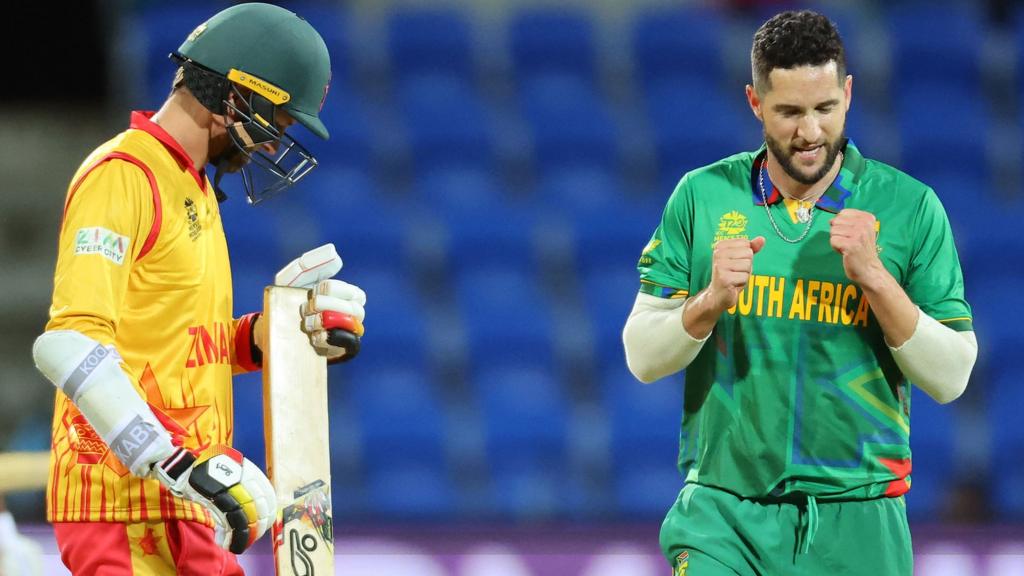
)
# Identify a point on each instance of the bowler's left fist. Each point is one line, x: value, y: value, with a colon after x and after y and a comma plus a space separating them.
x: 853, y: 234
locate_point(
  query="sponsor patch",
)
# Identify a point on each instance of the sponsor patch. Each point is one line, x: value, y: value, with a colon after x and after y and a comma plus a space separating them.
x: 99, y: 240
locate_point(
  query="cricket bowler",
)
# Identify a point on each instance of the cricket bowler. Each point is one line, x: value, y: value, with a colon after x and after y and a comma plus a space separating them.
x: 804, y: 287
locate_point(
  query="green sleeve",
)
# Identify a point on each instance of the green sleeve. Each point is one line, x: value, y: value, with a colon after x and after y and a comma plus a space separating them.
x: 665, y: 263
x: 935, y: 281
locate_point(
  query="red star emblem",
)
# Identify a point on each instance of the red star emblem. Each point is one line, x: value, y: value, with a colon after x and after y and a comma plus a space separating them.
x: 148, y: 543
x: 176, y: 420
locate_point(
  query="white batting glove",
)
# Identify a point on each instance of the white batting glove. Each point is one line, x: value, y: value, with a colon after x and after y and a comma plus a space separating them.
x: 305, y: 271
x: 333, y: 316
x: 230, y: 486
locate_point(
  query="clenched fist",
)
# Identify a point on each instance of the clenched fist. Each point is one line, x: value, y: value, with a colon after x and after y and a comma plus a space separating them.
x: 853, y: 236
x: 731, y: 265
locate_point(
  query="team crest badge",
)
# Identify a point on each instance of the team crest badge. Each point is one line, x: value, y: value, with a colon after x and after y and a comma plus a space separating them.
x: 645, y: 259
x: 731, y: 225
x: 194, y: 228
x: 682, y: 563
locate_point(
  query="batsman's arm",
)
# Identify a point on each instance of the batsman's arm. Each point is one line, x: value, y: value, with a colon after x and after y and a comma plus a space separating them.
x: 233, y: 489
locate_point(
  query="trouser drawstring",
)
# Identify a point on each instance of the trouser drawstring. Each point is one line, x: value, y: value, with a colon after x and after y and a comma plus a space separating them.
x: 808, y: 525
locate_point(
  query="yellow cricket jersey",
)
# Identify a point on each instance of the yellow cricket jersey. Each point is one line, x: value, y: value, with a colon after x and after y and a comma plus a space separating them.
x: 143, y: 265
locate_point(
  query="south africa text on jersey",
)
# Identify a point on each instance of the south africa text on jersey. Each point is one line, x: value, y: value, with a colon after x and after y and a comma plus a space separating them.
x: 800, y: 299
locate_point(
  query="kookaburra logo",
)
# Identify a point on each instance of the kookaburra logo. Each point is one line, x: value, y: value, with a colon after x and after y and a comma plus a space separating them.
x: 225, y: 469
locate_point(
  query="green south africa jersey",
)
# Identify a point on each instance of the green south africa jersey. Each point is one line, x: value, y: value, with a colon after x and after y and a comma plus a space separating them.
x: 796, y: 390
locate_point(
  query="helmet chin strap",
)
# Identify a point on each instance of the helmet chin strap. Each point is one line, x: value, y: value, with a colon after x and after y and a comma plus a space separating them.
x: 217, y: 191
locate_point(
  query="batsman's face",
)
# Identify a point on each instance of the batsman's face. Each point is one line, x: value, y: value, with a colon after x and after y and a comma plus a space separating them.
x: 222, y: 147
x: 803, y: 111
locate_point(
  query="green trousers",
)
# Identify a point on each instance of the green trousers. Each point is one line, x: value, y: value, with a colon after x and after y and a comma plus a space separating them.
x: 711, y: 532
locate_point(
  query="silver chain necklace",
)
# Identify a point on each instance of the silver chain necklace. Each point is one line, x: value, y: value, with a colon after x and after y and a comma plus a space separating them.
x: 801, y: 213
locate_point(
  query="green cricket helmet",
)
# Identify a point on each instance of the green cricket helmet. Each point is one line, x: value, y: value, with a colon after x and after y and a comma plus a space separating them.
x: 280, y: 61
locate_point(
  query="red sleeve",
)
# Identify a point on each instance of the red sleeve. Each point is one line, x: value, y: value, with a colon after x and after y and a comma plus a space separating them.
x: 248, y: 357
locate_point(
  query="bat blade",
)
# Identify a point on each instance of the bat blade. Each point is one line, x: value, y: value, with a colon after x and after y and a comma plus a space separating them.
x: 296, y: 430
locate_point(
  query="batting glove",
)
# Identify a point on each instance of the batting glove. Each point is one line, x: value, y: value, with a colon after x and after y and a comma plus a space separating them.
x: 230, y: 486
x: 333, y: 319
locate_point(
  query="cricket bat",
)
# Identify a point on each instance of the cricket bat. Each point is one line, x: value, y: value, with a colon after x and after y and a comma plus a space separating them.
x: 298, y: 450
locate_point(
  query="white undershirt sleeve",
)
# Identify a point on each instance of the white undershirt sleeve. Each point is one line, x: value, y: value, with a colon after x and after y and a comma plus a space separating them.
x: 937, y: 359
x: 656, y: 343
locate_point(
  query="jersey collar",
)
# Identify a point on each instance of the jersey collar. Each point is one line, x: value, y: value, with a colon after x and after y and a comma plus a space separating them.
x: 142, y: 121
x: 834, y: 199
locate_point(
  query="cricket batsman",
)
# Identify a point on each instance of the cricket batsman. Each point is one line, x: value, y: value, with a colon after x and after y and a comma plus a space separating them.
x: 804, y: 287
x: 141, y: 343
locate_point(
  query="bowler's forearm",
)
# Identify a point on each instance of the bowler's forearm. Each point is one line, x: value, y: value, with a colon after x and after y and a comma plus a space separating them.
x: 701, y: 314
x: 895, y: 313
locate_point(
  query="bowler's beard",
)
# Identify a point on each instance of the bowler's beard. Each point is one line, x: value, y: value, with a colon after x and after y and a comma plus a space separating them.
x: 785, y: 155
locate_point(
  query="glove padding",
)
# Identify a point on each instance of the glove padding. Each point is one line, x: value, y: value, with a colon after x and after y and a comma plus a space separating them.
x: 305, y: 271
x: 230, y: 486
x: 333, y: 319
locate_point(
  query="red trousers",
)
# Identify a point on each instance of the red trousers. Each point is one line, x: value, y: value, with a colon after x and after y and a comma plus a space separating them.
x: 160, y: 548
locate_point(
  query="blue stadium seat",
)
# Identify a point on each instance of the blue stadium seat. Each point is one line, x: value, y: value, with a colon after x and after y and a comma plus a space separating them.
x: 615, y: 237
x: 389, y: 453
x: 400, y: 415
x: 679, y: 40
x: 446, y: 120
x: 248, y: 410
x: 462, y: 191
x: 525, y: 411
x: 559, y: 40
x: 935, y: 42
x: 505, y: 315
x: 403, y: 491
x: 525, y: 414
x: 647, y: 490
x: 644, y: 421
x: 695, y: 123
x: 346, y: 207
x: 581, y: 190
x: 1005, y: 398
x: 609, y: 291
x: 429, y: 41
x: 933, y: 138
x: 348, y: 120
x: 569, y: 122
x: 997, y: 307
x: 933, y: 429
x: 645, y: 418
x: 395, y: 321
x: 527, y: 491
x: 504, y: 239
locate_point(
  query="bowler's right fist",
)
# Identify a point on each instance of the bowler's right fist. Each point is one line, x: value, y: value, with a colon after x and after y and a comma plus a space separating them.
x: 731, y: 265
x: 230, y: 486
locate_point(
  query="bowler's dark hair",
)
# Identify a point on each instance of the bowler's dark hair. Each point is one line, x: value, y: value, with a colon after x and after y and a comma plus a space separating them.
x: 793, y: 39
